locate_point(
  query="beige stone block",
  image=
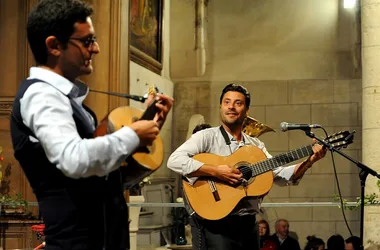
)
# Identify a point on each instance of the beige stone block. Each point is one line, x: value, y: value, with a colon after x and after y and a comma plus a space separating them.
x: 277, y: 192
x: 205, y: 111
x: 287, y: 113
x: 275, y: 141
x: 165, y: 135
x: 268, y: 92
x: 303, y: 229
x: 214, y: 117
x: 310, y: 91
x: 341, y: 228
x: 183, y: 115
x: 314, y: 186
x: 360, y: 114
x: 201, y: 96
x: 349, y: 185
x: 370, y: 28
x: 342, y: 114
x: 343, y: 165
x: 257, y: 112
x: 370, y: 110
x: 333, y: 213
x: 183, y: 95
x: 292, y: 214
x: 344, y: 65
x: 357, y: 141
x: 194, y: 94
x: 215, y: 92
x: 179, y: 137
x: 163, y: 171
x: 371, y: 224
x: 371, y: 73
x: 370, y: 148
x: 348, y: 91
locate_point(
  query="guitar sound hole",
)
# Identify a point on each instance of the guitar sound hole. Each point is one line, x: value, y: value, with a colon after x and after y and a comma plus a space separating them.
x: 246, y: 171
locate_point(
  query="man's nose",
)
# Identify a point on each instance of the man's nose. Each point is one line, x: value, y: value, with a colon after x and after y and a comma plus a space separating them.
x: 95, y: 48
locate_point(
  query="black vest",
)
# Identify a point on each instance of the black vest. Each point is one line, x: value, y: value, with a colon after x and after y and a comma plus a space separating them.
x: 85, y: 213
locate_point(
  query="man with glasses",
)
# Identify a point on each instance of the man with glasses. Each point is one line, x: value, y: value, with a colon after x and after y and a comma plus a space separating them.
x: 75, y: 177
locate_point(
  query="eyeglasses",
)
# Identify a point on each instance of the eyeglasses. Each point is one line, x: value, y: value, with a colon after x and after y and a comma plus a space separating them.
x: 87, y: 42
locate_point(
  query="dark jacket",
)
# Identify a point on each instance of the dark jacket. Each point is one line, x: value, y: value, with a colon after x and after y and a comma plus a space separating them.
x: 288, y: 244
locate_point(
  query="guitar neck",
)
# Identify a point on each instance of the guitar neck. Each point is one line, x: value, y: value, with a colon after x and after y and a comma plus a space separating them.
x: 280, y: 160
x: 150, y: 112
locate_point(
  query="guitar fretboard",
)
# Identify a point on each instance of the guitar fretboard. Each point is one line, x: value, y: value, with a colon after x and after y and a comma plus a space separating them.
x: 280, y: 160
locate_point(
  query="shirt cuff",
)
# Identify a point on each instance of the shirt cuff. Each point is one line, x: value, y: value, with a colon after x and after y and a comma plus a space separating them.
x: 129, y: 138
x: 283, y: 177
x: 195, y: 165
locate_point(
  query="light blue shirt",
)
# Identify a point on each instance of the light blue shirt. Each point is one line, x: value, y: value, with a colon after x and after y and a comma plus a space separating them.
x: 46, y: 110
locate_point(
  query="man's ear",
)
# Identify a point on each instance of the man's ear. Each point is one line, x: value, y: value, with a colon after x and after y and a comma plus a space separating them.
x: 53, y: 46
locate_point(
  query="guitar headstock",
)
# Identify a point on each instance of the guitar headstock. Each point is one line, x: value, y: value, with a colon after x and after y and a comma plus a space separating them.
x: 151, y: 111
x: 341, y: 139
x: 152, y: 90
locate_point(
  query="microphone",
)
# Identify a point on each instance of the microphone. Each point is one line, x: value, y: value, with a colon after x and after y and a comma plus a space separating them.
x: 293, y: 126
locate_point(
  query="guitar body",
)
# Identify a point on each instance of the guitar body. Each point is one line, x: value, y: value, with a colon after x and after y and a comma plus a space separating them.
x: 212, y: 199
x: 200, y: 195
x: 145, y: 160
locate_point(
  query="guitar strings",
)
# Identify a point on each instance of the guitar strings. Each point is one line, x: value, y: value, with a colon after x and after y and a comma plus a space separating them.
x: 273, y: 160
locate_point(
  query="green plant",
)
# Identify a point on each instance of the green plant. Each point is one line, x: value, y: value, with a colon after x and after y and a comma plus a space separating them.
x: 371, y: 198
x: 14, y: 204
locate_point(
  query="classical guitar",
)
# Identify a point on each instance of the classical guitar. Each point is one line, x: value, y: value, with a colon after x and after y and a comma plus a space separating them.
x: 145, y: 160
x: 213, y: 199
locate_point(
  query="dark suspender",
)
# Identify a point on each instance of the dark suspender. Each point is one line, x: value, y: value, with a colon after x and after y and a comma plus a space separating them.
x: 225, y: 136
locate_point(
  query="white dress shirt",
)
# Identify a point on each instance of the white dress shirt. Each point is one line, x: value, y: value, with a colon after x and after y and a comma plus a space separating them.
x: 212, y: 141
x: 46, y: 110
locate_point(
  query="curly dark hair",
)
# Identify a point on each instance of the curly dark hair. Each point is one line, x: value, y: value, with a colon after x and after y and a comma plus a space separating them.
x: 313, y: 243
x: 236, y: 88
x: 54, y: 18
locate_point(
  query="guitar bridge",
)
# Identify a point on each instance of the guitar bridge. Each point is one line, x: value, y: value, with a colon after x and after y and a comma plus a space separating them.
x: 214, y: 191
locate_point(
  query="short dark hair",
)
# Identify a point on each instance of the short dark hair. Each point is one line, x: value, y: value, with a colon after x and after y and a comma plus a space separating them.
x: 200, y: 127
x: 313, y: 243
x: 336, y: 242
x: 355, y: 241
x: 54, y: 18
x: 236, y: 88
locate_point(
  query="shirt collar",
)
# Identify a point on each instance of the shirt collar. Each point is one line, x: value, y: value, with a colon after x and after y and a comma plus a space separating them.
x: 280, y: 239
x: 59, y: 82
x: 233, y: 138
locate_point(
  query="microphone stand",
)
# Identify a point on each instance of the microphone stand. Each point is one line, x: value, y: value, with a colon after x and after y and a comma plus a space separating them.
x: 364, y: 171
x: 132, y: 97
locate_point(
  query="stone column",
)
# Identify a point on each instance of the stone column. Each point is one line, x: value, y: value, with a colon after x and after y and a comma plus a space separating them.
x: 134, y: 216
x: 371, y: 112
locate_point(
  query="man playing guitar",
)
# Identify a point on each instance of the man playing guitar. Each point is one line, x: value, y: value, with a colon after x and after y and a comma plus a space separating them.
x: 238, y: 230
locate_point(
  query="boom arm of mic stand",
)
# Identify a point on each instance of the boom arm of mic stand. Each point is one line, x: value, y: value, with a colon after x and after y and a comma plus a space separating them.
x: 364, y: 171
x: 133, y: 97
x: 331, y: 148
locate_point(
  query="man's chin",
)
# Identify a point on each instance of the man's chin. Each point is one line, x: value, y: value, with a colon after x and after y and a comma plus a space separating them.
x: 87, y: 70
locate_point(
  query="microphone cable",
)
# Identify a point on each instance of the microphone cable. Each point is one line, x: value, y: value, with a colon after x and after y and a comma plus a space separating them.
x: 338, y: 187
